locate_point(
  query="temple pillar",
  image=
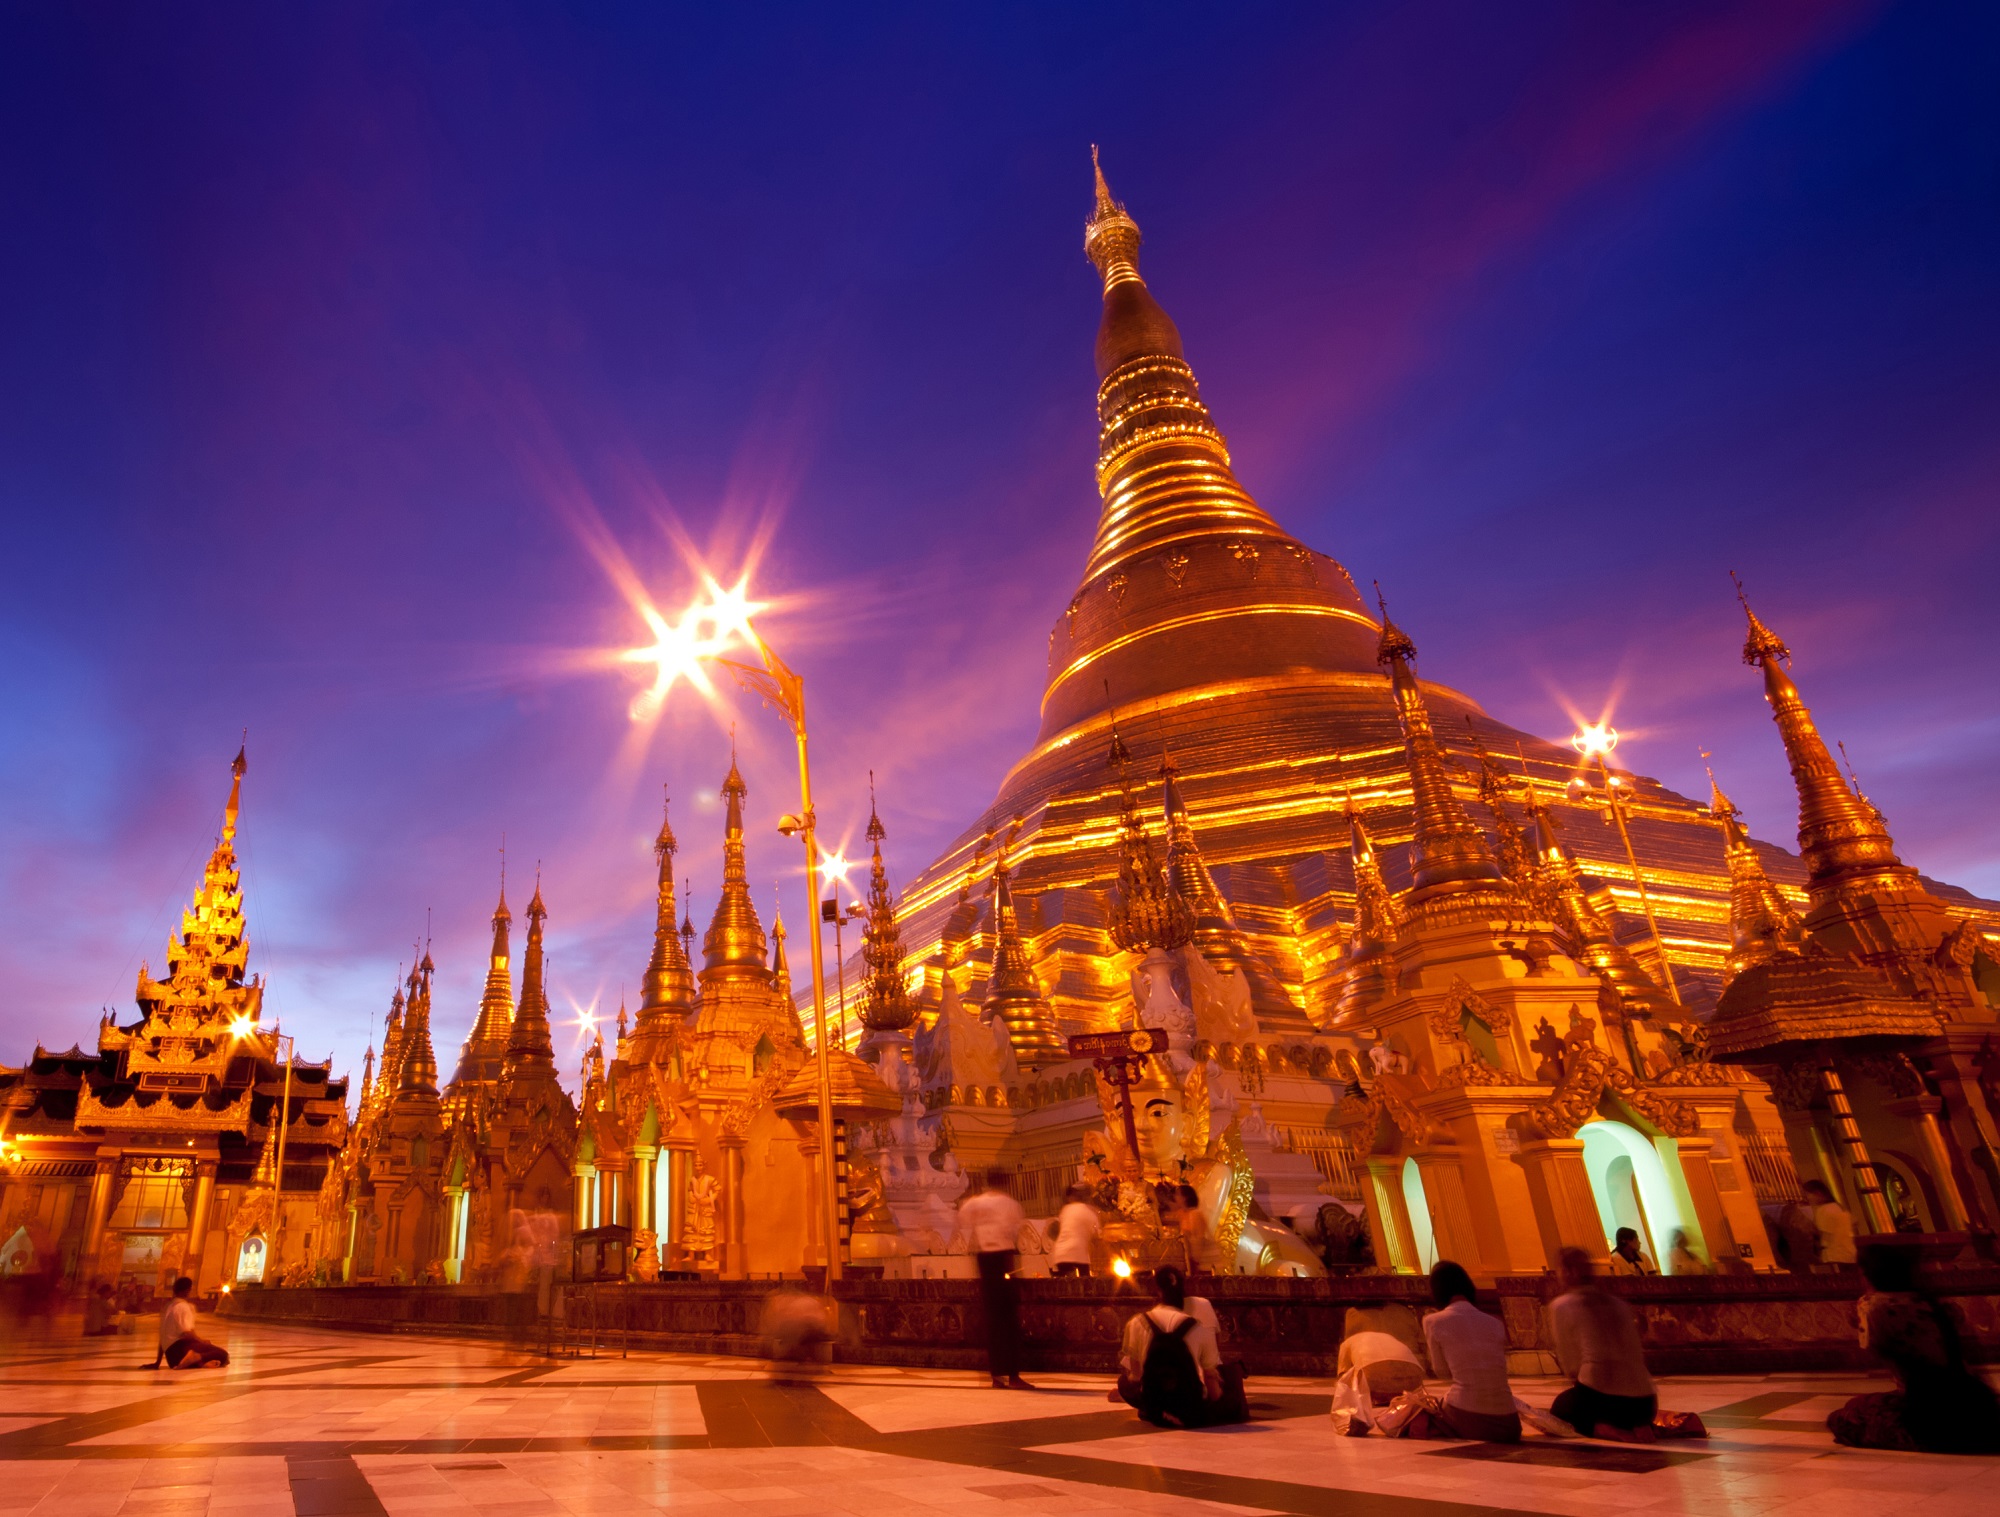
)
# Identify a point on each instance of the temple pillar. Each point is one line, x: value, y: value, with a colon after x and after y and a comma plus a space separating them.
x: 580, y: 1209
x: 454, y: 1234
x: 1451, y: 1217
x: 679, y: 1163
x: 94, y: 1220
x: 1971, y: 1120
x: 204, y: 1195
x: 1389, y: 1216
x: 644, y: 1200
x: 730, y: 1223
x: 1559, y: 1187
x: 1921, y: 1112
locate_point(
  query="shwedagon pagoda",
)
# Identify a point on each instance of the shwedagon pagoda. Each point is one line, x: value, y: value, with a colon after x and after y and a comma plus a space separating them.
x: 1418, y: 1002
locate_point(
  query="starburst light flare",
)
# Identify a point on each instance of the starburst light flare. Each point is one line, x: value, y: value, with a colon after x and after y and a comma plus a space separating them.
x: 716, y: 625
x: 1594, y: 739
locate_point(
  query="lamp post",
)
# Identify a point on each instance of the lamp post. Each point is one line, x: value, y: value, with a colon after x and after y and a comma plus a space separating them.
x: 1593, y: 742
x: 829, y: 911
x: 772, y: 680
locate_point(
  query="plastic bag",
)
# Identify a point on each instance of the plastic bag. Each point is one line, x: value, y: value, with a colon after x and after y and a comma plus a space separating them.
x: 1544, y: 1421
x: 1353, y: 1408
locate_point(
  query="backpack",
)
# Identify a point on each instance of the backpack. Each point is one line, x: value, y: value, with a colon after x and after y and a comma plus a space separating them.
x: 1169, y: 1382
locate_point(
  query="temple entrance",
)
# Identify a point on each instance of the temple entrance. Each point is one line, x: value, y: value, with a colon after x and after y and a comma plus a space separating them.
x: 1631, y: 1187
x: 1419, y: 1208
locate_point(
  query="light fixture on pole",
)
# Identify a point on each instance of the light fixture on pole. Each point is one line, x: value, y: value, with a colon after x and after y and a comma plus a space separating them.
x: 1593, y: 742
x: 779, y: 687
x: 829, y: 911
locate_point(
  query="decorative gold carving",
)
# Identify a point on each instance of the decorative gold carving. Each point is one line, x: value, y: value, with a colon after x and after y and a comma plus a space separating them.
x: 1588, y: 1071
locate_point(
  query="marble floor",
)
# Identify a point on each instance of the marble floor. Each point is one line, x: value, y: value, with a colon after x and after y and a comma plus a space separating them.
x: 329, y: 1424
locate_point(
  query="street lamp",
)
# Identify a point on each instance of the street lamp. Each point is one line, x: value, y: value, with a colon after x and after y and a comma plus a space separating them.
x: 829, y: 911
x: 778, y: 686
x: 1592, y: 742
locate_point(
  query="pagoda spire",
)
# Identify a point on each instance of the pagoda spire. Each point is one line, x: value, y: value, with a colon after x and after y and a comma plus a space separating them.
x: 391, y: 1079
x: 529, y: 1047
x: 1841, y: 835
x: 734, y: 946
x: 485, y: 1049
x: 1761, y: 920
x: 367, y: 1082
x: 1013, y: 994
x: 667, y: 991
x: 1163, y: 468
x: 420, y: 1069
x: 1366, y: 972
x: 1594, y: 943
x: 1149, y: 909
x: 887, y: 1005
x: 1448, y: 854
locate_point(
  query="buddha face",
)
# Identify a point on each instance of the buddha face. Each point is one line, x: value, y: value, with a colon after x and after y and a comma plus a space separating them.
x: 1162, y: 1132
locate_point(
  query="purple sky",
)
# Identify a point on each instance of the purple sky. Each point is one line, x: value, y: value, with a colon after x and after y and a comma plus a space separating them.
x: 331, y: 335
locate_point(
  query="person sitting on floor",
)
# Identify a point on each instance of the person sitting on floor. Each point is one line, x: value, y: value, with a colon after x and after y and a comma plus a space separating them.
x: 179, y: 1346
x: 1939, y: 1406
x: 1470, y: 1347
x: 1170, y: 1365
x: 1598, y: 1347
x: 100, y: 1313
x: 1626, y: 1259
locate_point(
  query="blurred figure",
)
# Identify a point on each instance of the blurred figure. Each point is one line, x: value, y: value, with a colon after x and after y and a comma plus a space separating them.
x: 1626, y: 1258
x: 180, y: 1347
x: 1798, y: 1239
x: 992, y: 1221
x: 794, y: 1325
x: 1939, y: 1406
x: 1681, y: 1257
x: 1597, y: 1344
x: 100, y: 1313
x: 1832, y: 1226
x: 1076, y: 1229
x: 545, y: 1228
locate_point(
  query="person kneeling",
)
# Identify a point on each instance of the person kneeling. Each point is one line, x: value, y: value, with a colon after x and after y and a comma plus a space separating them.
x: 179, y: 1346
x: 1170, y: 1366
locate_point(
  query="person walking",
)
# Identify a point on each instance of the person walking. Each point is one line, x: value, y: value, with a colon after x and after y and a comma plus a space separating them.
x: 1833, y: 1226
x: 180, y: 1347
x: 1469, y: 1347
x: 992, y: 1222
x: 1597, y: 1344
x: 1076, y: 1230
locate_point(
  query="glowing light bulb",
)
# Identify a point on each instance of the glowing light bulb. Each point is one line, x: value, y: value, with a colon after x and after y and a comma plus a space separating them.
x: 242, y: 1027
x: 1594, y: 739
x: 1121, y: 1269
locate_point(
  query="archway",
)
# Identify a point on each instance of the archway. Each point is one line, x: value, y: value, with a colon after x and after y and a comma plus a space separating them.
x: 1419, y: 1208
x: 1631, y: 1187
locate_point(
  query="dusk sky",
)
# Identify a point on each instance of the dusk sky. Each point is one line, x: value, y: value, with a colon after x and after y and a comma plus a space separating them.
x: 346, y: 344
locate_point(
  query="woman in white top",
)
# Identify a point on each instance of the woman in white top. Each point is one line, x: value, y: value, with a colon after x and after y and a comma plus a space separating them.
x: 1470, y: 1347
x: 1076, y: 1230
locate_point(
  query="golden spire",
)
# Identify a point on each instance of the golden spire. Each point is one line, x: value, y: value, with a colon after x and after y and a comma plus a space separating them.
x: 1148, y: 909
x: 1448, y: 854
x: 367, y: 1082
x: 1592, y: 940
x: 1761, y: 920
x: 667, y: 991
x: 1111, y: 239
x: 237, y: 768
x: 734, y: 946
x: 485, y: 1049
x: 419, y: 1072
x: 1365, y: 974
x: 391, y: 1080
x: 1013, y: 994
x: 1841, y: 835
x: 529, y: 1047
x: 886, y: 1007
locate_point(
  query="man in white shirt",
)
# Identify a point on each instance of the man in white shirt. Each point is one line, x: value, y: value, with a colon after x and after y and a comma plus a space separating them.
x: 179, y: 1346
x: 1189, y: 1406
x: 992, y: 1222
x: 1077, y: 1227
x: 1833, y: 1224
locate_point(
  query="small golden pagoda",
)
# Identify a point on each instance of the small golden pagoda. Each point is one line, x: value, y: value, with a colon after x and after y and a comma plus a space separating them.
x: 1874, y: 1016
x: 191, y: 1141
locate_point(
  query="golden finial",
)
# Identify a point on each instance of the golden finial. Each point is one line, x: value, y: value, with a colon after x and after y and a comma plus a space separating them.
x: 1762, y: 645
x: 1111, y: 236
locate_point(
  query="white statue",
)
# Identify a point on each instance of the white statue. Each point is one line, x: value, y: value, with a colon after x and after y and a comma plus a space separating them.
x: 1159, y: 1002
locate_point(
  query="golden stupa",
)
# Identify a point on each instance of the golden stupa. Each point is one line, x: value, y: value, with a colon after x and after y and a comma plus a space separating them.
x: 1246, y: 661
